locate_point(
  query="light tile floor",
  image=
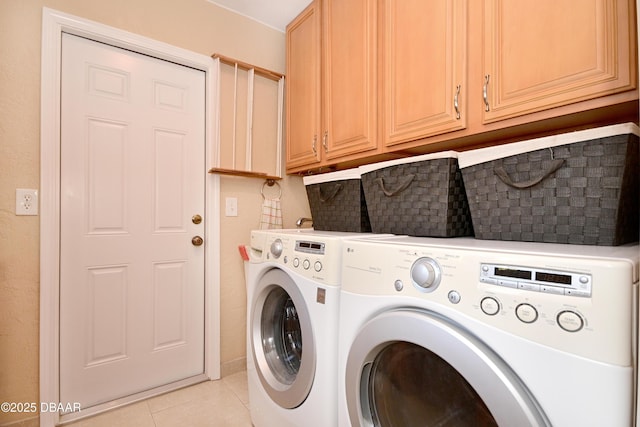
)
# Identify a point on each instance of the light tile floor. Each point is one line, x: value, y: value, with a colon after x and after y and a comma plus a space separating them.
x: 223, y: 403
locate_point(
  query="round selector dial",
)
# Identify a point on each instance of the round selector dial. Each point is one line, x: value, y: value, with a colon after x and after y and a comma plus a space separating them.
x: 490, y: 306
x: 276, y: 248
x: 570, y: 321
x: 526, y: 313
x: 426, y: 274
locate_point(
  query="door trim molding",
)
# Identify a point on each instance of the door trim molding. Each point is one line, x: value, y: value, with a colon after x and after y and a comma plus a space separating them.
x: 54, y: 23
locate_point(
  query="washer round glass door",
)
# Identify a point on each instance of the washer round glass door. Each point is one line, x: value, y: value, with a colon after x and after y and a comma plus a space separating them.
x: 282, y: 340
x: 416, y: 368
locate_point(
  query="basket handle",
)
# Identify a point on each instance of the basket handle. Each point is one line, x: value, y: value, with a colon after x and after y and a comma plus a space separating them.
x: 403, y: 185
x: 502, y: 174
x: 334, y: 191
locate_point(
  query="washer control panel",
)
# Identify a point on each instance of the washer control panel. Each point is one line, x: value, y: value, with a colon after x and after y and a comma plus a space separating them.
x: 537, y: 280
x: 316, y: 257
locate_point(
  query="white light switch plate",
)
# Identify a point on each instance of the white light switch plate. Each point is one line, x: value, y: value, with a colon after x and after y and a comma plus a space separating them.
x: 231, y: 206
x: 26, y: 201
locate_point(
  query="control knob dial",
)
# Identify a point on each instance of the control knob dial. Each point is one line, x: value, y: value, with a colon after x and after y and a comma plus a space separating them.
x: 426, y: 274
x: 276, y: 248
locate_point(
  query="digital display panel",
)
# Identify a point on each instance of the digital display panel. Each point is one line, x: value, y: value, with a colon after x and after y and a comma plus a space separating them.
x: 562, y: 279
x: 510, y: 272
x: 310, y: 247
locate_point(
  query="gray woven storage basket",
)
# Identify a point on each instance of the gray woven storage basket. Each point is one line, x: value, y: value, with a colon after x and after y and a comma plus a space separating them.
x: 419, y: 198
x: 579, y: 193
x: 338, y: 206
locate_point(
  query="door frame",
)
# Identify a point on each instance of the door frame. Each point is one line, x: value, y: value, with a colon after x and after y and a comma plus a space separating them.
x: 54, y: 23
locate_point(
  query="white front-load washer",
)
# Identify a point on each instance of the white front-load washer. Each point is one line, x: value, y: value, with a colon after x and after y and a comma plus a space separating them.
x: 463, y: 332
x: 293, y: 289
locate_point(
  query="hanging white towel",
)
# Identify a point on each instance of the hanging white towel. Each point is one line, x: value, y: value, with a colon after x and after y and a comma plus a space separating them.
x: 271, y: 214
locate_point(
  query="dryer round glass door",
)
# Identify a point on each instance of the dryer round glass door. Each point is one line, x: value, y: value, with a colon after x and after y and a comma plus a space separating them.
x: 416, y: 368
x: 282, y: 342
x: 403, y: 371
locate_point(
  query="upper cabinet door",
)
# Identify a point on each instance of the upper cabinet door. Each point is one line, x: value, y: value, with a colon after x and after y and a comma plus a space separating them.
x: 547, y: 53
x: 350, y: 77
x: 424, y: 68
x: 303, y: 99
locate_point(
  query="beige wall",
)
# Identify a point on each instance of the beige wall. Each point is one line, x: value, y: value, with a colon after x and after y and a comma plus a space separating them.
x: 195, y: 25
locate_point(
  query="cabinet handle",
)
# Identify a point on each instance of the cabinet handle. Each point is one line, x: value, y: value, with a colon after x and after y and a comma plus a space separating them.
x: 325, y: 137
x: 485, y: 96
x: 313, y: 145
x: 455, y: 102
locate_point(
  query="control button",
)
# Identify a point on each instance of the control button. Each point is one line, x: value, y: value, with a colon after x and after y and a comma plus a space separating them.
x: 398, y: 285
x: 551, y: 290
x: 577, y: 293
x: 526, y: 313
x: 276, y: 248
x: 485, y: 268
x: 285, y: 259
x: 306, y: 264
x: 570, y: 321
x: 528, y: 286
x: 508, y: 283
x: 490, y: 306
x: 489, y: 280
x: 317, y: 266
x: 425, y: 273
x: 454, y: 297
x: 296, y: 262
x: 584, y: 279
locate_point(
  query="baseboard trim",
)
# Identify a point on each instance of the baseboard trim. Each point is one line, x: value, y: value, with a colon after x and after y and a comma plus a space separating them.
x: 233, y: 366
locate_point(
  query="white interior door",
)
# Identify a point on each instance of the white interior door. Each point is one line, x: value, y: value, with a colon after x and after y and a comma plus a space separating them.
x: 132, y: 177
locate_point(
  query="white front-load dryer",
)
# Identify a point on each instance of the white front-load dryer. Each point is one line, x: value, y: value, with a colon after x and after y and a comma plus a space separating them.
x: 463, y: 332
x: 293, y: 290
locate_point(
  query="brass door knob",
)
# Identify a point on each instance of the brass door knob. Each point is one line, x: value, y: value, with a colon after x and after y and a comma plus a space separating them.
x: 197, y: 241
x: 196, y: 219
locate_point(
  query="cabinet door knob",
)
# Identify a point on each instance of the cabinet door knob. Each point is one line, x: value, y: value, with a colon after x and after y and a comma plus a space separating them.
x: 485, y: 96
x: 456, y: 105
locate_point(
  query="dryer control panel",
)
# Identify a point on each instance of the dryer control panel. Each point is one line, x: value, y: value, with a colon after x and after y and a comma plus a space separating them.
x: 536, y: 279
x: 579, y: 300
